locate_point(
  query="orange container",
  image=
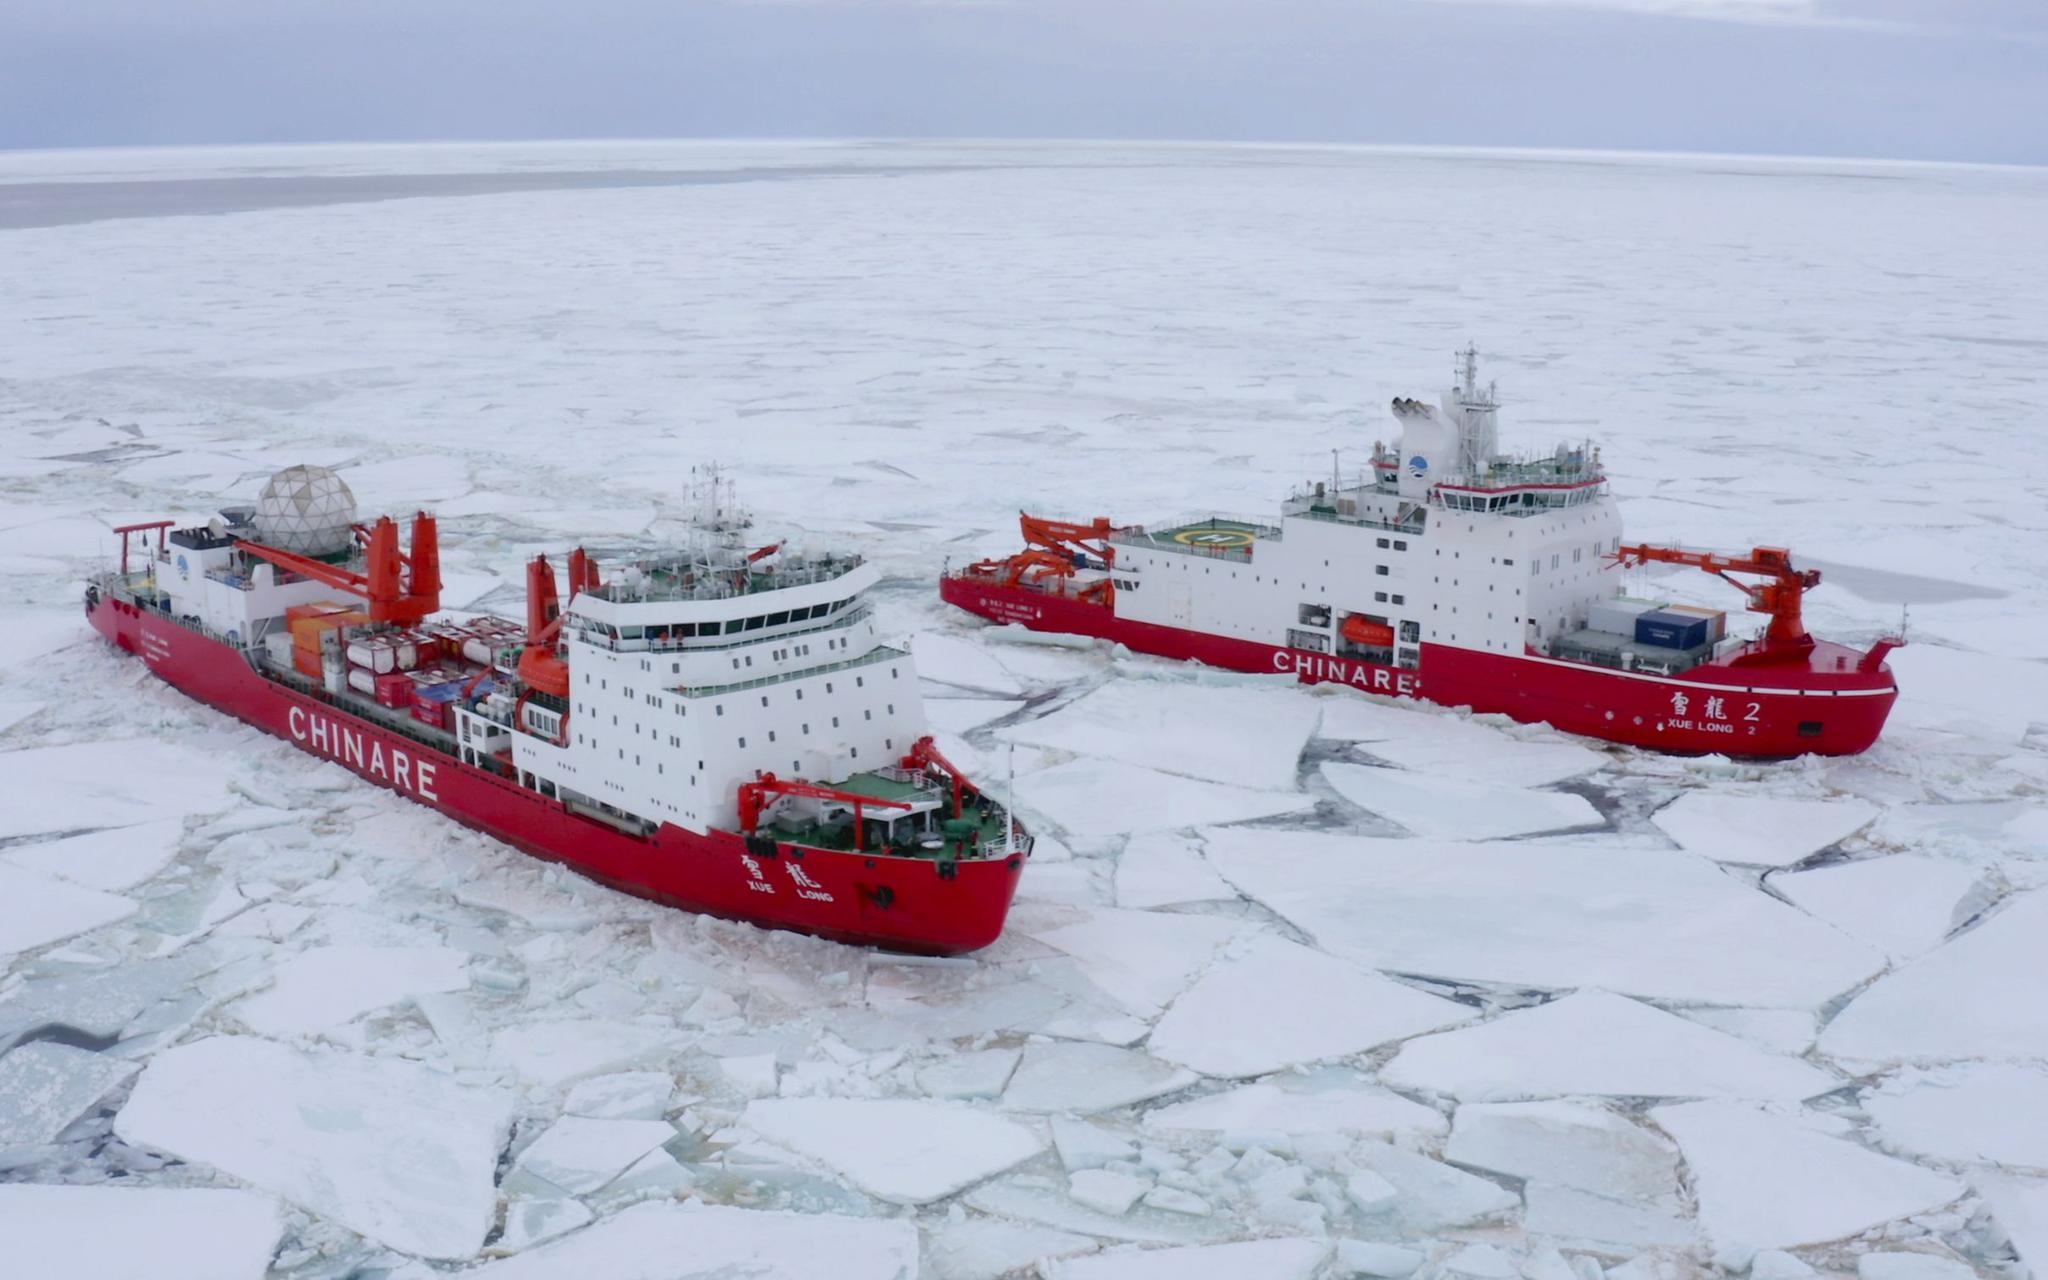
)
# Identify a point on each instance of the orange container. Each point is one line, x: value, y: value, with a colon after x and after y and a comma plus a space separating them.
x: 307, y: 661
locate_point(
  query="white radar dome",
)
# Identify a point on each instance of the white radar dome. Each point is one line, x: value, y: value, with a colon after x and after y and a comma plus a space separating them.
x: 306, y: 509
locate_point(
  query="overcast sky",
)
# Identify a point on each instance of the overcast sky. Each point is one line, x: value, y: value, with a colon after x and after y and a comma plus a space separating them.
x: 1937, y: 79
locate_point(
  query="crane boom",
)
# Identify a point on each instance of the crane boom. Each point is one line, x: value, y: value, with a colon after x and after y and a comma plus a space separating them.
x: 1054, y: 550
x: 756, y: 796
x: 1779, y: 595
x: 399, y: 588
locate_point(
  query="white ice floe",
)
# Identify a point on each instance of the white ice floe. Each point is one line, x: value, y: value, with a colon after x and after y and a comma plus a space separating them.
x: 2019, y: 1208
x: 558, y: 1051
x: 1031, y: 1198
x: 1964, y: 1113
x: 1080, y: 1078
x: 1266, y: 1259
x: 1428, y: 740
x: 44, y: 1086
x: 1904, y: 904
x: 1455, y: 808
x: 1248, y: 737
x: 1082, y: 1144
x: 980, y: 1248
x: 979, y: 1073
x: 1912, y: 1266
x: 1329, y: 1101
x: 629, y: 1095
x: 1106, y: 1191
x: 386, y: 1147
x: 1594, y: 1042
x: 529, y: 1221
x: 1755, y: 830
x: 113, y: 859
x: 899, y: 1150
x: 949, y: 659
x: 37, y: 909
x: 1141, y: 959
x: 133, y: 1233
x: 54, y: 790
x: 1643, y: 921
x: 958, y: 715
x: 1277, y: 1003
x: 671, y: 1241
x: 14, y: 711
x: 1956, y: 1001
x: 1567, y: 1144
x: 1433, y: 1194
x: 323, y: 987
x: 580, y: 1155
x: 1161, y: 869
x: 1771, y: 1181
x: 1584, y: 1220
x: 1108, y: 797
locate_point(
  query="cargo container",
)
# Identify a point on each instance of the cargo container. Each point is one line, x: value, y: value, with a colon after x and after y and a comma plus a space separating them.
x: 1667, y: 630
x: 373, y: 653
x: 277, y: 646
x: 1717, y: 620
x: 1618, y: 616
x: 433, y: 713
x: 362, y: 681
x: 306, y: 662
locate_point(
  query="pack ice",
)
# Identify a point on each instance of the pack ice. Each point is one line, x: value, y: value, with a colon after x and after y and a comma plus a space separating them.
x: 389, y: 1148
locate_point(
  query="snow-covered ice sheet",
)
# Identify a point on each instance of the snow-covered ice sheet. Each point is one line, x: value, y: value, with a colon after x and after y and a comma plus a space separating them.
x: 557, y: 1051
x: 668, y: 1241
x: 1108, y: 797
x: 1773, y: 1181
x: 1078, y: 1078
x: 899, y: 1150
x: 1649, y: 923
x: 38, y: 909
x: 1429, y: 739
x: 957, y: 661
x: 1903, y: 903
x: 324, y: 986
x: 1246, y: 737
x: 1760, y: 830
x: 1331, y: 1101
x: 1431, y: 1194
x: 1161, y: 869
x: 128, y: 1232
x: 580, y: 1155
x: 59, y: 790
x: 2019, y: 1208
x: 1594, y: 1042
x: 1140, y: 959
x: 958, y: 715
x: 1567, y: 1144
x: 1455, y: 808
x: 389, y: 1148
x: 1970, y: 1113
x: 1277, y: 1004
x: 1267, y: 1259
x: 113, y: 859
x: 1957, y: 1001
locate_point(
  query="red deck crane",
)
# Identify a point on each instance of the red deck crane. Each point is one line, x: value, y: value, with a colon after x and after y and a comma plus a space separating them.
x: 1055, y: 549
x: 756, y: 796
x: 1778, y: 596
x: 400, y: 587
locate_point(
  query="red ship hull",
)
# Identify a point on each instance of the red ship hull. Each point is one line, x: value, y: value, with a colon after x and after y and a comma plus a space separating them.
x: 902, y: 904
x: 1819, y: 703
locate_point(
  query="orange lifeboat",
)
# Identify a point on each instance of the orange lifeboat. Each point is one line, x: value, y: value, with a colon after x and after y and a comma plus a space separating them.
x: 1361, y: 630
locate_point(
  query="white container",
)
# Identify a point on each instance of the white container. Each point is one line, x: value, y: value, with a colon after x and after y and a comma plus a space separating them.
x: 278, y: 647
x: 480, y: 652
x: 362, y: 681
x: 408, y: 654
x: 376, y: 655
x: 1618, y: 616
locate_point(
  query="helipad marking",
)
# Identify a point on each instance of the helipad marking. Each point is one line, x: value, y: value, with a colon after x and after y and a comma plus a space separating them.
x: 1214, y: 538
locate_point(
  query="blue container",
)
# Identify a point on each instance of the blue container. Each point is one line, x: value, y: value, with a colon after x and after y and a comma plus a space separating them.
x: 1671, y: 630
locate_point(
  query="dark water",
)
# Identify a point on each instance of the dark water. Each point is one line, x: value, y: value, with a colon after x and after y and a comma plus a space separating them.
x: 56, y: 204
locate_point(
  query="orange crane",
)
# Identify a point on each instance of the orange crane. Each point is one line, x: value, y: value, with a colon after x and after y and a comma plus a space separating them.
x: 400, y: 587
x: 756, y: 796
x: 1055, y: 549
x: 924, y: 754
x: 1778, y: 596
x: 539, y: 665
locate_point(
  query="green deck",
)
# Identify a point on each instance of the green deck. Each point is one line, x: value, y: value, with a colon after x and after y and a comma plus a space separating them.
x: 986, y: 828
